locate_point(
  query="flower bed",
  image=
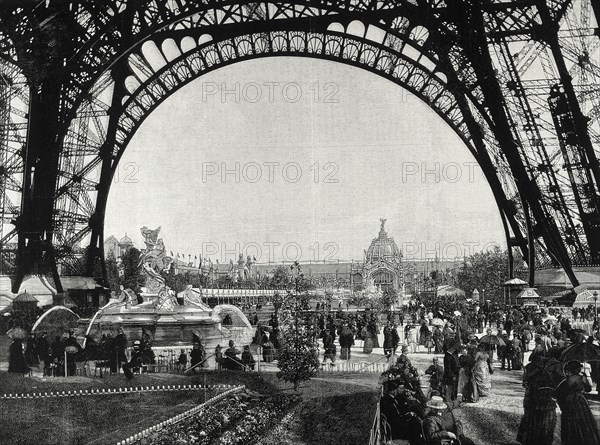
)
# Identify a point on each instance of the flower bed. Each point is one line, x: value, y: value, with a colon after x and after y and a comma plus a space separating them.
x: 239, y: 419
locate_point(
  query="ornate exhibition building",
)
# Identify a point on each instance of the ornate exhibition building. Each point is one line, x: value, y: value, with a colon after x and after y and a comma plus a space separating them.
x: 381, y: 268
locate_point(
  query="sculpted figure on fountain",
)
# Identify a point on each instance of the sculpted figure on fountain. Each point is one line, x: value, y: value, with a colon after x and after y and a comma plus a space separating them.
x: 154, y: 260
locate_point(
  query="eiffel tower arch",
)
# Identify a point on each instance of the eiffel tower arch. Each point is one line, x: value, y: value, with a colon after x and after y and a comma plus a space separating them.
x: 517, y: 81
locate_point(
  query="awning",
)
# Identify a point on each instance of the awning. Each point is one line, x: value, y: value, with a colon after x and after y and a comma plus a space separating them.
x: 515, y: 282
x: 25, y: 298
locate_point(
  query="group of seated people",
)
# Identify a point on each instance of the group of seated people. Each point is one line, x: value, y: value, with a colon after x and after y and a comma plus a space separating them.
x: 230, y: 360
x: 408, y: 414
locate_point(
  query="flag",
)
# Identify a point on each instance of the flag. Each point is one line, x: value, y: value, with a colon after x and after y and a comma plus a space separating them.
x: 171, y: 253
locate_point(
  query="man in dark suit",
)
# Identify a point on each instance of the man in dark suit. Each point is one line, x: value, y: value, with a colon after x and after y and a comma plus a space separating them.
x: 441, y: 427
x: 451, y: 370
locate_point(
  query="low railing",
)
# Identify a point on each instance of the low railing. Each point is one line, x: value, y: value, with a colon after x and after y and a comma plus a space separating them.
x: 375, y: 436
x: 167, y: 362
x: 149, y: 432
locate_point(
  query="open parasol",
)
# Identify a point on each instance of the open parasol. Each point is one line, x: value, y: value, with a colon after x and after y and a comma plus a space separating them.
x: 583, y: 352
x: 17, y: 333
x: 492, y: 340
x: 437, y: 322
x: 545, y: 373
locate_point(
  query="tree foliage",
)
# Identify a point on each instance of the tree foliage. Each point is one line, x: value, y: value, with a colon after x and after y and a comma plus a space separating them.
x: 224, y: 282
x: 298, y: 355
x: 388, y: 299
x: 132, y: 272
x: 112, y: 273
x: 178, y: 282
x: 282, y: 277
x: 487, y: 271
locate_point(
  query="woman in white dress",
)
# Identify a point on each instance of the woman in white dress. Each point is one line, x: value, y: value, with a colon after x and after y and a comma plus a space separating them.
x: 481, y: 374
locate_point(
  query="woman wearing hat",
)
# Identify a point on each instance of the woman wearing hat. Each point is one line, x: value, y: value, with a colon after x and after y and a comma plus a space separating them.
x: 539, y: 408
x: 481, y: 374
x: 578, y: 425
x: 441, y: 427
x: 16, y: 358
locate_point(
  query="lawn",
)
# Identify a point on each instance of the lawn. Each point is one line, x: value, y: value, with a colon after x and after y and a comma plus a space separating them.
x: 96, y: 419
x: 336, y: 409
x: 91, y: 420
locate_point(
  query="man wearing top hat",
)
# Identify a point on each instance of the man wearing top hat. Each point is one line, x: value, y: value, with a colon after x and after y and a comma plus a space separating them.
x: 441, y: 427
x: 451, y: 371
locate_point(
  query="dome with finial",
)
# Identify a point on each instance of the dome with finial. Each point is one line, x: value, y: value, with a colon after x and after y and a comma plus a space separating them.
x: 383, y: 247
x: 125, y: 240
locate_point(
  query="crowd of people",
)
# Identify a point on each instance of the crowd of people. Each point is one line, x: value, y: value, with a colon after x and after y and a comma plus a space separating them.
x: 550, y: 379
x: 408, y: 413
x: 468, y: 337
x: 57, y: 357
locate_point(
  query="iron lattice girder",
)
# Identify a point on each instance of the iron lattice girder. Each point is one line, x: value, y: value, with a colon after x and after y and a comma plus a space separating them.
x: 572, y: 206
x: 346, y: 20
x: 166, y: 87
x: 100, y: 40
x: 473, y: 25
x: 530, y: 137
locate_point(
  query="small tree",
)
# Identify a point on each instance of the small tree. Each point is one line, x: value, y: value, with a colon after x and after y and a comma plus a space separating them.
x: 224, y: 282
x: 112, y: 272
x: 298, y: 356
x: 281, y: 277
x: 132, y: 278
x: 484, y: 270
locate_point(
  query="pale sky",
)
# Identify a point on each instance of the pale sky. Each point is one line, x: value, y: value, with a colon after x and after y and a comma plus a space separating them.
x: 379, y: 153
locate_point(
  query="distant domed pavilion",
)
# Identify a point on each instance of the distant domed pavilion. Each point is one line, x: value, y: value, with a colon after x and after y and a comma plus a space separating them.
x: 382, y: 266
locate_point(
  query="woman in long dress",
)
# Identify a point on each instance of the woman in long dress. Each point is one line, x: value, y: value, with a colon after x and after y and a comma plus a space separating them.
x: 367, y: 341
x: 466, y: 385
x: 373, y: 330
x: 413, y: 339
x: 578, y: 425
x: 438, y: 339
x: 539, y: 417
x: 481, y: 374
x: 16, y: 358
x: 423, y: 334
x: 517, y: 360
